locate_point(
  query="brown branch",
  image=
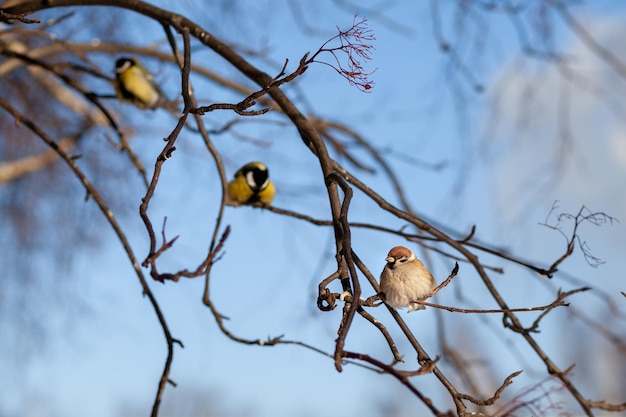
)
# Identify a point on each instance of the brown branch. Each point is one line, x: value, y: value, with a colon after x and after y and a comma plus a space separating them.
x: 108, y: 214
x: 323, y: 127
x: 546, y: 308
x: 495, y: 310
x: 583, y: 215
x: 392, y: 345
x: 241, y: 107
x: 607, y: 407
x: 21, y: 17
x: 270, y: 341
x: 325, y: 298
x: 557, y: 303
x: 342, y: 151
x: 524, y: 400
x: 602, y: 327
x: 202, y: 269
x: 508, y: 381
x: 402, y: 376
x: 445, y: 283
x: 166, y: 154
x: 342, y: 230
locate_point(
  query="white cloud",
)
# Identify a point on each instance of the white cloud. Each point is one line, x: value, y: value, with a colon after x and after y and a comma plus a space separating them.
x: 560, y: 132
x: 618, y: 145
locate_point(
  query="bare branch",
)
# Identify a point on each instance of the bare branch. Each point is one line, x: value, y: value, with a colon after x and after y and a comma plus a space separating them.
x: 508, y: 381
x: 583, y: 215
x: 608, y: 407
x: 355, y: 43
x: 8, y: 17
x: 108, y: 214
x: 402, y: 376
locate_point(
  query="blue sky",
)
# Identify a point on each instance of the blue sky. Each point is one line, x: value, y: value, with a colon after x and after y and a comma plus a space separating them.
x: 106, y: 359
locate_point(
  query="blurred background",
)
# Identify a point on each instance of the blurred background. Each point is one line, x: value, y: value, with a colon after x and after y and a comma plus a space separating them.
x: 496, y: 114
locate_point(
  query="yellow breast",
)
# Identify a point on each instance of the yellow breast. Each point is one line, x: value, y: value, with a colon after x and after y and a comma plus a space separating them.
x: 239, y: 191
x: 138, y: 86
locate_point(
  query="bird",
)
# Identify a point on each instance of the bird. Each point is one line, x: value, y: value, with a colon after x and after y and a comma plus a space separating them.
x: 251, y: 184
x: 405, y: 280
x: 135, y: 83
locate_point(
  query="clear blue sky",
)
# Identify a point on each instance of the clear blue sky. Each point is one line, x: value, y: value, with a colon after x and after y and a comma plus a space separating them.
x: 108, y: 362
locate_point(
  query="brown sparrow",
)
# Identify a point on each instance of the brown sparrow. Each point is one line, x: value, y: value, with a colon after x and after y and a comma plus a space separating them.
x: 405, y: 279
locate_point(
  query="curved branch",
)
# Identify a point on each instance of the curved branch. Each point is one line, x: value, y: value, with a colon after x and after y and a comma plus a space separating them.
x: 108, y: 214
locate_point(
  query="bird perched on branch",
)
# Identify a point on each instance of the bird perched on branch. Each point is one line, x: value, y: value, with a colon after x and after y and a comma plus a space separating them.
x: 405, y: 280
x: 135, y: 83
x: 252, y: 185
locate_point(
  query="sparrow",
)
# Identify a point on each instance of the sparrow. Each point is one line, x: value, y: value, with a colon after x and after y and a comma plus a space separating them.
x: 405, y: 280
x: 252, y: 184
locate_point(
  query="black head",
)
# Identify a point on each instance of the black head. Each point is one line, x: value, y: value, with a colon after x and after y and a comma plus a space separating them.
x: 123, y: 63
x: 257, y: 176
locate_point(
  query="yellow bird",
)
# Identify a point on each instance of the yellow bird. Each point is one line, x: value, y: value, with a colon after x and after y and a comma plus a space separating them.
x: 135, y: 83
x: 252, y: 185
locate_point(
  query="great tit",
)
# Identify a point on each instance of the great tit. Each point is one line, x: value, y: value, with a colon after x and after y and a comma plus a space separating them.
x: 252, y: 185
x: 135, y: 83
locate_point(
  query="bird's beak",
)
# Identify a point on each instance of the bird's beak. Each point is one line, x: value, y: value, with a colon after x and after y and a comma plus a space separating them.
x: 390, y: 260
